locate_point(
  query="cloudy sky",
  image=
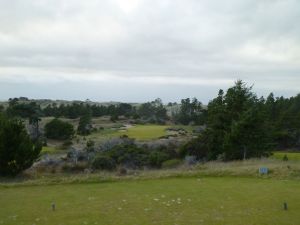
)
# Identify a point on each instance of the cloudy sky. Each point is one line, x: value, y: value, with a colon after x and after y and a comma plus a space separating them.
x: 137, y: 50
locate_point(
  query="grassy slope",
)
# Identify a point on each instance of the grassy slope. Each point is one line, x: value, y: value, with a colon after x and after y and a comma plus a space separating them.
x: 290, y: 155
x: 50, y: 150
x: 139, y: 132
x: 146, y: 132
x: 165, y: 201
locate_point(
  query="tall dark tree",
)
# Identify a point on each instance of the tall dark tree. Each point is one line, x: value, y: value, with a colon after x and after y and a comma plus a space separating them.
x: 85, y: 124
x: 191, y: 112
x: 236, y: 127
x: 17, y: 151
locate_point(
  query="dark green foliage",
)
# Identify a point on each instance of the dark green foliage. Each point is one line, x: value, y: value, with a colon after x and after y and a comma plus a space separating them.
x: 248, y: 137
x: 132, y: 156
x: 284, y: 121
x: 196, y: 147
x: 129, y: 155
x: 156, y: 158
x: 153, y: 111
x: 85, y: 124
x: 27, y: 109
x: 59, y: 130
x: 76, y: 110
x: 114, y: 118
x: 90, y: 146
x: 236, y: 127
x: 103, y: 162
x: 17, y: 151
x: 191, y: 112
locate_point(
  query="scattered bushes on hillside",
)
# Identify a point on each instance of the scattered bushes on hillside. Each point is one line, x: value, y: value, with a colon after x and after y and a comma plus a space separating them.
x: 132, y: 156
x: 59, y: 130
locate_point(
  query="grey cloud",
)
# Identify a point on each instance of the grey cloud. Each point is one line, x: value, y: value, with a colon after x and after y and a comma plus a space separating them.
x: 255, y: 40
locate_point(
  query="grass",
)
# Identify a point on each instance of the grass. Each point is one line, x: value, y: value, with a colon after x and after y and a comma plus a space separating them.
x: 139, y: 132
x: 290, y: 155
x: 49, y: 150
x: 278, y: 169
x: 146, y: 132
x: 196, y: 200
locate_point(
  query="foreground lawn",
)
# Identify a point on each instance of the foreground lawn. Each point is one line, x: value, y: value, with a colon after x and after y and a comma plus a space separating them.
x: 164, y: 201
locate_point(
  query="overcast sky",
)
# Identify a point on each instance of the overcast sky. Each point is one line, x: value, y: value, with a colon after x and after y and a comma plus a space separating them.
x: 137, y: 50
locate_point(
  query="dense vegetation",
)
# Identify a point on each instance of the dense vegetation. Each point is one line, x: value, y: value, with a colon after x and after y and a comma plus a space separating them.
x: 58, y: 129
x: 237, y: 124
x: 17, y: 151
x: 241, y: 125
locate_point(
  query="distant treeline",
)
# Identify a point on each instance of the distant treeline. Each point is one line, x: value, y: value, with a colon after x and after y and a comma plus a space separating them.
x: 235, y: 118
x: 152, y: 112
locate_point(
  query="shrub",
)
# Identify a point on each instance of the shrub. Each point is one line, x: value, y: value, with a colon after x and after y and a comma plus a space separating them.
x: 103, y: 162
x: 172, y: 163
x: 85, y: 124
x: 129, y: 155
x: 71, y: 168
x: 156, y: 158
x: 17, y: 151
x: 59, y: 130
x: 122, y: 171
x: 195, y: 147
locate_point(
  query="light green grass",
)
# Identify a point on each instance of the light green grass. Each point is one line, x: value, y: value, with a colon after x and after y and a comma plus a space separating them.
x: 49, y: 150
x: 179, y: 201
x: 146, y: 132
x: 290, y: 155
x: 139, y: 132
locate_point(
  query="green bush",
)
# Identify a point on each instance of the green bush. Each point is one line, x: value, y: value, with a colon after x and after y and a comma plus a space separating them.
x: 172, y: 163
x: 59, y: 130
x: 103, y: 162
x: 17, y: 151
x: 156, y: 158
x: 129, y: 155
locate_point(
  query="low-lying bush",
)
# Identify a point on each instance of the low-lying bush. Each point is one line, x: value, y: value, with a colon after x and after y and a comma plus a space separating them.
x: 172, y: 163
x: 103, y: 162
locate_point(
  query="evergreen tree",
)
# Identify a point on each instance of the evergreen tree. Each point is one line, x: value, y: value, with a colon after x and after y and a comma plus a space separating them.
x: 17, y: 151
x: 59, y: 130
x: 85, y: 124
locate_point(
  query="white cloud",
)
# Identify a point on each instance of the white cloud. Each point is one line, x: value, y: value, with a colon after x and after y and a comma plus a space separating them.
x: 171, y: 42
